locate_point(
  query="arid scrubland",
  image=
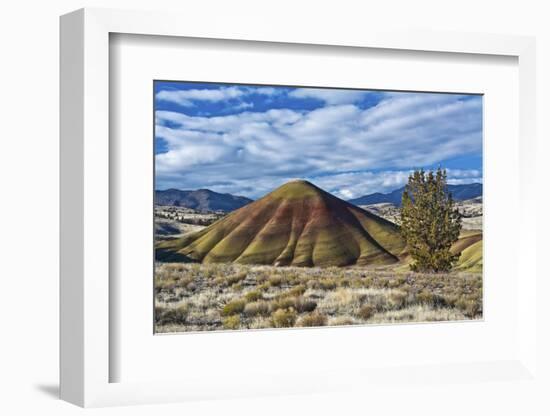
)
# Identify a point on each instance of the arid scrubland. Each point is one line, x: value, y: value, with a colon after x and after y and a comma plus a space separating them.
x: 207, y: 297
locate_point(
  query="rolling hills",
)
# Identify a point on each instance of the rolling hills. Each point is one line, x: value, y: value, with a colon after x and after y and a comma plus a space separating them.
x: 459, y: 192
x: 470, y: 209
x: 298, y: 224
x: 201, y: 200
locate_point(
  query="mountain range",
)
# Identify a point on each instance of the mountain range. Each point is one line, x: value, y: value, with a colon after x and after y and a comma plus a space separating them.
x: 206, y: 200
x: 200, y: 200
x: 298, y: 224
x: 459, y: 193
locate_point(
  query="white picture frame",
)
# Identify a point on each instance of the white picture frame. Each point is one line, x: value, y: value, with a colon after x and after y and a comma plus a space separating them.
x: 86, y: 355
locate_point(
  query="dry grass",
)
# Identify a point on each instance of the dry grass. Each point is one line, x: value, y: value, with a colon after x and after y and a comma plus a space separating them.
x: 208, y: 297
x: 283, y: 318
x: 313, y: 319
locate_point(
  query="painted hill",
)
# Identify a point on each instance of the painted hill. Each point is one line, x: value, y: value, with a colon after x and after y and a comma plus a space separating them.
x: 459, y: 192
x: 297, y: 224
x: 200, y: 200
x: 470, y: 246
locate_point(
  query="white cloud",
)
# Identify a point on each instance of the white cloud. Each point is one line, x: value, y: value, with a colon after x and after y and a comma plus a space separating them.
x: 356, y: 184
x: 329, y: 96
x: 241, y: 106
x: 460, y: 177
x: 269, y: 91
x: 250, y: 153
x: 188, y: 98
x: 185, y: 98
x: 346, y: 193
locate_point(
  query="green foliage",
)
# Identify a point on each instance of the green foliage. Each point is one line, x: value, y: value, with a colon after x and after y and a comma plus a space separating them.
x: 296, y: 290
x: 253, y: 295
x: 430, y: 223
x: 233, y: 307
x: 328, y: 284
x: 236, y: 278
x: 283, y: 302
x: 232, y: 322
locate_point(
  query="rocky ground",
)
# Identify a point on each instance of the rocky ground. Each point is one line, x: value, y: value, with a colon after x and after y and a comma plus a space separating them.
x: 174, y: 222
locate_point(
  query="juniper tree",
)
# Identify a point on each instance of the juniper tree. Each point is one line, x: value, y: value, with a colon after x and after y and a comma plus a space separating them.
x: 430, y: 223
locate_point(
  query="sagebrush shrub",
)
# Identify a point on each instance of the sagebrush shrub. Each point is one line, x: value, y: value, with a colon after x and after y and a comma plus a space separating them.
x: 397, y: 299
x: 232, y: 322
x: 256, y: 308
x: 328, y: 284
x: 283, y: 303
x: 312, y: 319
x: 236, y: 278
x: 425, y: 297
x: 341, y: 320
x: 275, y: 280
x: 302, y: 304
x: 253, y: 296
x: 233, y: 307
x: 298, y: 290
x: 366, y: 312
x: 470, y: 307
x: 166, y: 316
x: 283, y: 318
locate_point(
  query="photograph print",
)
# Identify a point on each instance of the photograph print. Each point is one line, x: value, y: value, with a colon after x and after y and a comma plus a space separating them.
x: 293, y: 207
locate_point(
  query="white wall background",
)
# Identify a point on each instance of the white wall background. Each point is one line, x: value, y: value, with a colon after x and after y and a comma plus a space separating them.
x: 29, y: 56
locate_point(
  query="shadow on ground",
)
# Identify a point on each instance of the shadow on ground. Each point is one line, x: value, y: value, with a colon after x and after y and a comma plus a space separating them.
x: 51, y: 390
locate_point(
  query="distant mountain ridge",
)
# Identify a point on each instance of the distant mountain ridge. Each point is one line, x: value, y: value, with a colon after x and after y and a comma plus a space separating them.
x: 200, y: 200
x: 459, y: 193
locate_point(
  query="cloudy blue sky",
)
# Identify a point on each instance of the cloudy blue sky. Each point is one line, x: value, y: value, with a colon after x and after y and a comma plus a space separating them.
x: 247, y: 140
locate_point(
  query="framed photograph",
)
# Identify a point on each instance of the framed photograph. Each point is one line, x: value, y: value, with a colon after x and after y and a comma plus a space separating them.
x: 283, y: 207
x: 279, y: 213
